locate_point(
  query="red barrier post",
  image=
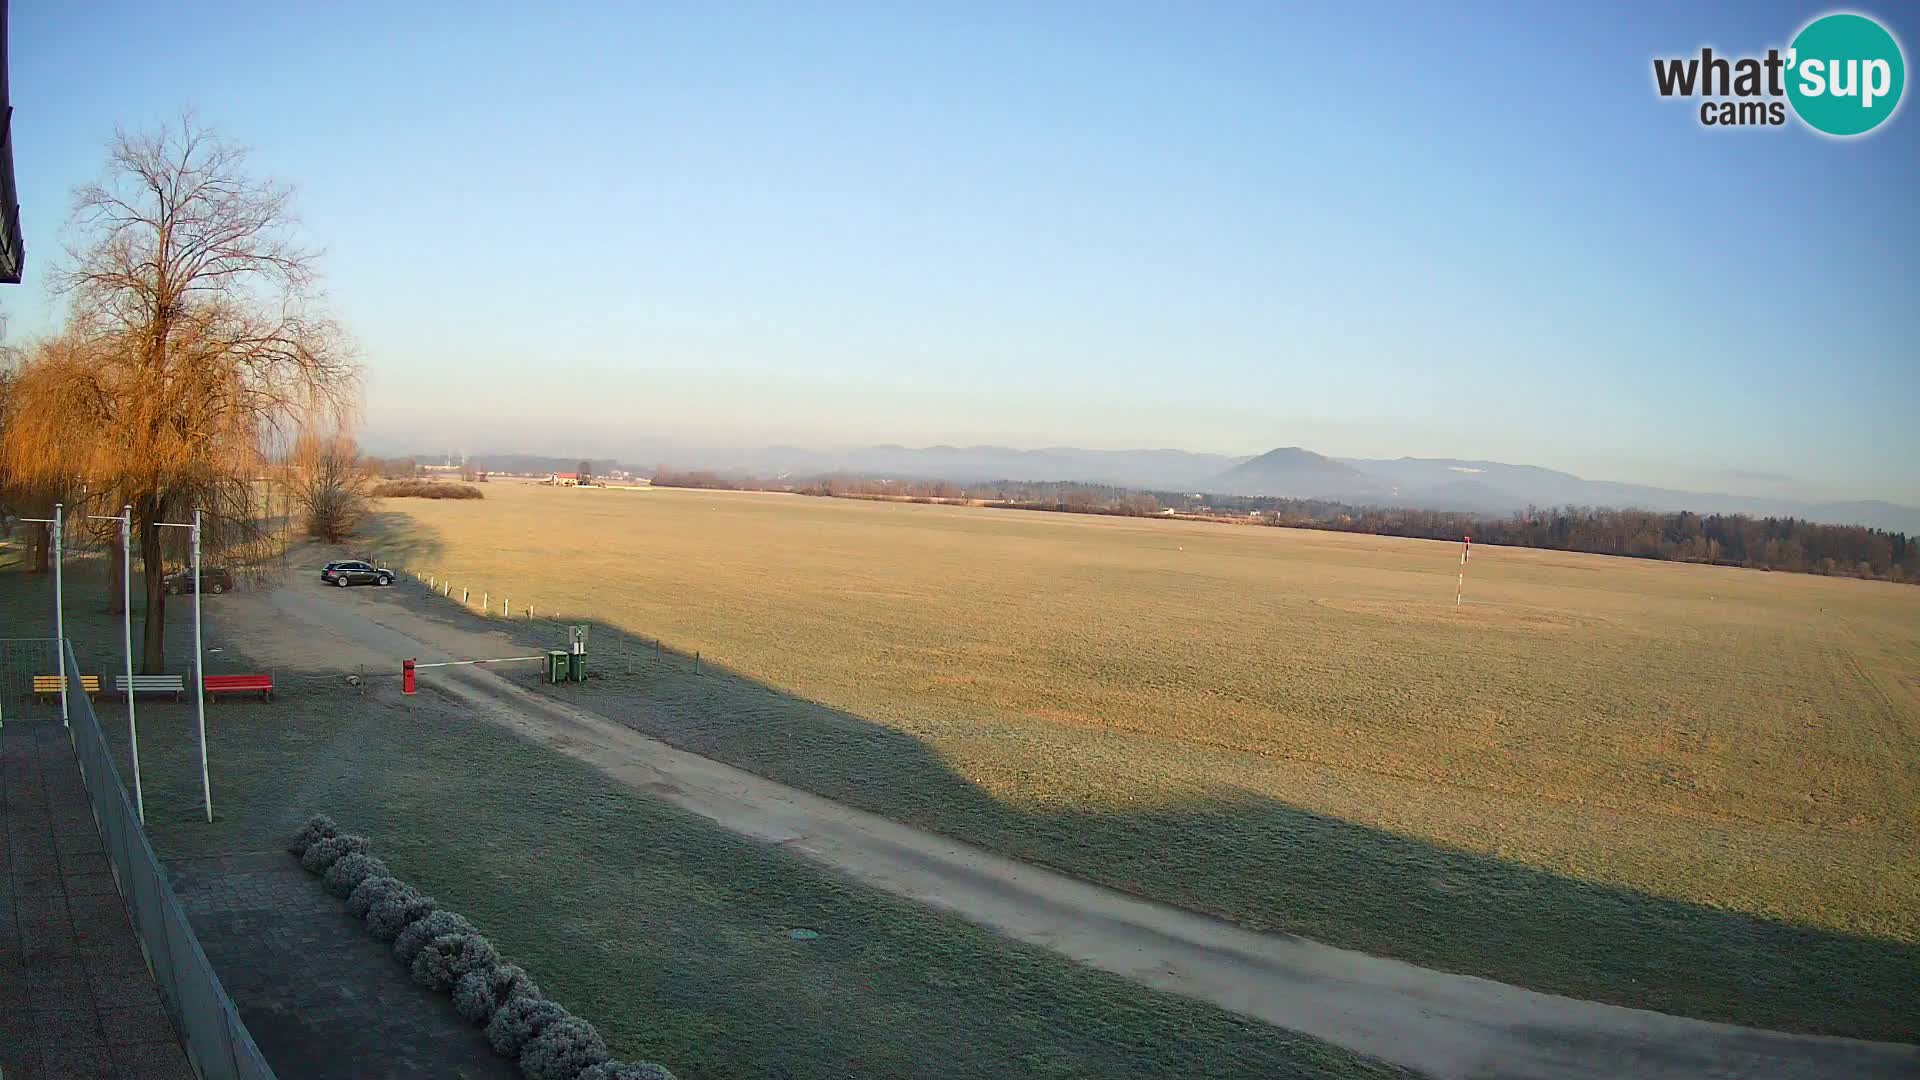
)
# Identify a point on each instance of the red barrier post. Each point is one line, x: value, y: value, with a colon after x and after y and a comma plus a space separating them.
x: 406, y: 676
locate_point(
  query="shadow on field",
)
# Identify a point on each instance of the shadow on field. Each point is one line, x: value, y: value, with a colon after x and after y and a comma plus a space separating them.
x: 1254, y: 860
x: 1257, y: 861
x: 401, y: 541
x: 675, y: 937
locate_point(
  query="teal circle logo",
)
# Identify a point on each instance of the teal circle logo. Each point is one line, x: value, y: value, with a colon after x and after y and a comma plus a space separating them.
x: 1845, y: 74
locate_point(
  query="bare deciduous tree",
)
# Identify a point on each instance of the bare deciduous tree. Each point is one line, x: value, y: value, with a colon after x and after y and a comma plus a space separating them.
x: 193, y: 344
x: 331, y: 483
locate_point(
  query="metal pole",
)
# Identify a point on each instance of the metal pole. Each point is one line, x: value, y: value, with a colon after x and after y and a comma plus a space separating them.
x: 59, y: 606
x: 126, y: 641
x: 58, y: 629
x: 199, y: 673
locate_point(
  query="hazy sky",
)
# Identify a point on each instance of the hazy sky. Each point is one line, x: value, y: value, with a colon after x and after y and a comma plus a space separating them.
x: 1370, y: 230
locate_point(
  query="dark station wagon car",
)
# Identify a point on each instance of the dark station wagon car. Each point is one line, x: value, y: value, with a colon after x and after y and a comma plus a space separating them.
x: 355, y: 572
x: 213, y: 579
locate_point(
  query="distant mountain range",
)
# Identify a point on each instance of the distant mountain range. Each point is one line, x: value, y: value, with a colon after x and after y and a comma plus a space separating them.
x: 975, y: 464
x: 529, y: 463
x: 1488, y: 487
x: 1290, y: 471
x: 1496, y: 487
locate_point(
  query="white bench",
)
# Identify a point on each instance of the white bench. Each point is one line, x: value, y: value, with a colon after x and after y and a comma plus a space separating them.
x: 152, y: 684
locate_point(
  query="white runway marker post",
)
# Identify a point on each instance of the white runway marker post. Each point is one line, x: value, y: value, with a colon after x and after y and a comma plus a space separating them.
x: 1460, y: 588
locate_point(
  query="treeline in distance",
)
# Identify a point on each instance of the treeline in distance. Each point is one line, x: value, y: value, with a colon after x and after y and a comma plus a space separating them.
x: 1765, y: 543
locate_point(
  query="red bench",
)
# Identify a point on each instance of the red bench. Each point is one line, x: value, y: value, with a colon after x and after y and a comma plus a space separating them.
x: 239, y: 684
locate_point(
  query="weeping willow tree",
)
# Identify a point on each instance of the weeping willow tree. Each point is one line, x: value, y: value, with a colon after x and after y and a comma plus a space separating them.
x: 29, y: 493
x: 18, y: 498
x: 194, y: 346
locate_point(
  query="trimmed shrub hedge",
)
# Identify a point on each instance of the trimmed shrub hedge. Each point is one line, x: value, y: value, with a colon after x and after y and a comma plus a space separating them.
x: 563, y: 1050
x: 348, y: 871
x: 396, y: 911
x: 516, y: 1022
x: 426, y: 489
x: 443, y: 951
x: 370, y: 890
x: 446, y: 958
x: 511, y: 981
x: 474, y: 998
x: 322, y: 854
x: 419, y: 935
x: 318, y: 827
x: 478, y: 993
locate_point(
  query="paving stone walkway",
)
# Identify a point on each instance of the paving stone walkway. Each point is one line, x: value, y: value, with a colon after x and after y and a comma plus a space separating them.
x: 323, y: 998
x: 76, y: 999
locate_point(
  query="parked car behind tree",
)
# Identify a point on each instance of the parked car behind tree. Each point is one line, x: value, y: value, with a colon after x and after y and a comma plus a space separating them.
x: 213, y: 579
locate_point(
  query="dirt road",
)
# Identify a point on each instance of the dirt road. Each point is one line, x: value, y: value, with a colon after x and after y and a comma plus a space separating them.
x: 1443, y: 1024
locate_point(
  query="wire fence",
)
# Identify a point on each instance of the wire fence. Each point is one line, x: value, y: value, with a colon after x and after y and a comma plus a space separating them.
x: 20, y: 660
x: 217, y: 1043
x: 484, y: 601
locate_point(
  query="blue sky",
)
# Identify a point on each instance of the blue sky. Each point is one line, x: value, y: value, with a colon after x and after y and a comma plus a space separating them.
x: 1371, y: 230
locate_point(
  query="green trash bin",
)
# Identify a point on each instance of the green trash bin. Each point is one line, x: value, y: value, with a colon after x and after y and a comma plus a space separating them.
x: 557, y: 665
x: 577, y: 666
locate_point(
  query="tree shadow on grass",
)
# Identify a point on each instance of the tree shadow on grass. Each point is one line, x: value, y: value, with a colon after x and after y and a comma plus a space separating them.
x: 670, y: 933
x: 1253, y: 859
x: 394, y: 539
x: 1266, y: 864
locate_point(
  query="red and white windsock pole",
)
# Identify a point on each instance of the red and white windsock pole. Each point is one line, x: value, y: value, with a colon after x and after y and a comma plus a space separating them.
x: 1466, y: 550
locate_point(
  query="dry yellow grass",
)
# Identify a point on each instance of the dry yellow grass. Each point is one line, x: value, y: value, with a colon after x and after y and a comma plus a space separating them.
x: 1247, y: 707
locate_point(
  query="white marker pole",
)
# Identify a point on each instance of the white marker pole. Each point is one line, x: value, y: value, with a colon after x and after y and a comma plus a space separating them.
x: 60, y: 604
x: 199, y: 667
x: 1466, y: 549
x: 199, y: 673
x: 126, y: 641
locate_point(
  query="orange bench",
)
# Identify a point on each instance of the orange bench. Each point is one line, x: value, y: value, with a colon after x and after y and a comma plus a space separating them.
x: 48, y: 687
x: 239, y: 684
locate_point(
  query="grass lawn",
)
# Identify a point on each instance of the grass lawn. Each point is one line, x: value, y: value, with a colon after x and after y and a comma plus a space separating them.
x: 671, y: 935
x: 1688, y: 788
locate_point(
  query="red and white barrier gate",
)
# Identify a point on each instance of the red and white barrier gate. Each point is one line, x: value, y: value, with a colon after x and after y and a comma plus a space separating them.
x: 408, y: 667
